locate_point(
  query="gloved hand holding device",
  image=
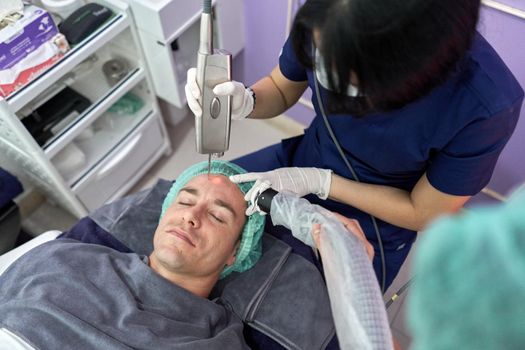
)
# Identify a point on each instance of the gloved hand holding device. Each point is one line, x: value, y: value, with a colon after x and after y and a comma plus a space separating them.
x: 301, y: 181
x: 243, y: 100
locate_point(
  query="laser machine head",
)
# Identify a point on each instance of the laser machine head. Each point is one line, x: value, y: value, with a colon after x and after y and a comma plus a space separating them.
x: 213, y: 67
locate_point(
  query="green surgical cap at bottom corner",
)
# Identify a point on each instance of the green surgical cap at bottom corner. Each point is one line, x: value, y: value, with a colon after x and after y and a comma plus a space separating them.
x: 470, y: 281
x: 250, y: 248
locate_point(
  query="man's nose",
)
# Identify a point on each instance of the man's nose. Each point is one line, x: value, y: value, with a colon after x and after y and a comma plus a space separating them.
x: 192, y: 216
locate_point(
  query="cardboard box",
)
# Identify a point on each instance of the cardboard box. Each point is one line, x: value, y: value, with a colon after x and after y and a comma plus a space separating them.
x: 18, y: 40
x: 32, y: 65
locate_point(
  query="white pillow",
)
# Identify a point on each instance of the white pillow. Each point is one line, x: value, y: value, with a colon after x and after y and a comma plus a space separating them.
x: 10, y: 341
x: 8, y: 258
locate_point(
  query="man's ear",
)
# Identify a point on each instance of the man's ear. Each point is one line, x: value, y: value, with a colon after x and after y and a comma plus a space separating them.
x: 233, y: 255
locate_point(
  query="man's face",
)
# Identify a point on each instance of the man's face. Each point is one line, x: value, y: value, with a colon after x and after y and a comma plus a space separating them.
x: 199, y: 233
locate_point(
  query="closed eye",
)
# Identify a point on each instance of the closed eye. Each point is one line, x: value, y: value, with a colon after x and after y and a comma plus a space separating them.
x: 217, y: 218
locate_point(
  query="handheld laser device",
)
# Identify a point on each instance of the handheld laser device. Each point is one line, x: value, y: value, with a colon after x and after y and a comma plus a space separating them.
x: 213, y: 67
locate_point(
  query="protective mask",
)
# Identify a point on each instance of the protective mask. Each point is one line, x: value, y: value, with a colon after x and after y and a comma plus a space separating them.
x: 320, y: 72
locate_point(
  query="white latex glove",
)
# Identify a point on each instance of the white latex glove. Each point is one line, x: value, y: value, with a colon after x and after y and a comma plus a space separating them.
x: 254, y: 206
x: 242, y: 99
x: 301, y: 181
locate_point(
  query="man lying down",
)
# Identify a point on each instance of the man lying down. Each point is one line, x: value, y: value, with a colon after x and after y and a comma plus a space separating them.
x: 66, y: 294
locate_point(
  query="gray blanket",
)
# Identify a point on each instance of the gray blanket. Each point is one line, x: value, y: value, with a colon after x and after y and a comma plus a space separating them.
x: 64, y: 294
x: 283, y: 296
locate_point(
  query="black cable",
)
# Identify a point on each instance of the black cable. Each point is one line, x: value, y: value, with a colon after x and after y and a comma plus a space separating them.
x: 206, y: 6
x: 349, y: 166
x: 398, y: 293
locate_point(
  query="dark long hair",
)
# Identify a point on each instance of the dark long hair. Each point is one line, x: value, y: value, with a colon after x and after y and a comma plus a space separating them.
x: 399, y: 50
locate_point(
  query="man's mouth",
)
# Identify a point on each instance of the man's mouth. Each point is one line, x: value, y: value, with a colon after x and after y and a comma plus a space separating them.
x: 181, y: 234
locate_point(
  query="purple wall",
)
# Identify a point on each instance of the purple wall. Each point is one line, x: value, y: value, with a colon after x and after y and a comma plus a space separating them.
x: 519, y: 4
x: 265, y: 34
x: 506, y: 33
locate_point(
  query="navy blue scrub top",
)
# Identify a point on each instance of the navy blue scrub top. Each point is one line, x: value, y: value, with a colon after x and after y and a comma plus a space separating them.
x: 455, y: 134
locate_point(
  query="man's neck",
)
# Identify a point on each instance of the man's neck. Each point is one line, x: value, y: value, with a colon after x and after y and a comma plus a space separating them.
x: 200, y: 286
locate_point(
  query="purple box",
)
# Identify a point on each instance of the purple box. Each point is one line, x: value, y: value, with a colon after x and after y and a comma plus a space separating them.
x: 25, y: 35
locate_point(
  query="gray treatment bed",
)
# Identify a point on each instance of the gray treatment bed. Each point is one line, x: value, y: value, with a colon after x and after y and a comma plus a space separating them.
x: 282, y: 301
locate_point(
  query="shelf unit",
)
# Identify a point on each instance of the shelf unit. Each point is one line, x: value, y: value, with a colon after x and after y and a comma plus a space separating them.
x: 79, y: 53
x: 57, y: 143
x: 94, y: 156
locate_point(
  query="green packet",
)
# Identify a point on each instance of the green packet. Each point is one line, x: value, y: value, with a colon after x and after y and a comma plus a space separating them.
x: 127, y: 105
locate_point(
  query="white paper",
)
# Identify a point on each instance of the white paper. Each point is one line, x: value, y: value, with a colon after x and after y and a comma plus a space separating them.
x: 8, y: 7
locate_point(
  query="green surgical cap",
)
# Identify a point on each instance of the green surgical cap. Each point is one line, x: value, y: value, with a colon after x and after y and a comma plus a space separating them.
x: 250, y: 249
x: 469, y: 284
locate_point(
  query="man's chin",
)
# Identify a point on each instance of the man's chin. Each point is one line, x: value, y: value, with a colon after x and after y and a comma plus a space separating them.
x: 170, y: 258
